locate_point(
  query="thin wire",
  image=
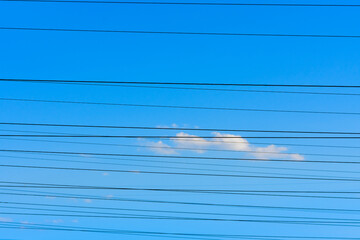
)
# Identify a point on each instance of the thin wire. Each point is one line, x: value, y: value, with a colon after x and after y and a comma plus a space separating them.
x: 170, y: 156
x: 177, y: 148
x: 187, y: 163
x: 50, y: 185
x: 186, y: 33
x: 173, y: 233
x: 193, y: 3
x: 178, y: 173
x: 178, y: 107
x: 155, y: 217
x: 180, y: 83
x: 188, y: 140
x: 215, y: 89
x: 177, y: 137
x: 92, y: 197
x: 170, y: 128
x: 157, y: 211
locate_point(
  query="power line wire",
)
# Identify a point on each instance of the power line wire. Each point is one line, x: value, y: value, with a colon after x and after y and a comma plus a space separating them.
x: 187, y: 140
x: 177, y: 137
x: 183, y: 33
x: 170, y: 156
x: 156, y: 211
x: 92, y: 197
x: 149, y: 146
x: 179, y: 83
x: 190, y: 163
x: 193, y: 3
x: 178, y: 173
x: 171, y: 128
x: 174, y: 233
x: 180, y: 107
x: 50, y: 185
x: 211, y: 89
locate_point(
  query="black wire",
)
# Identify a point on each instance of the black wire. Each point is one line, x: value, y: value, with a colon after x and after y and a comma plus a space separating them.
x: 157, y: 211
x: 193, y: 3
x: 179, y: 173
x: 190, y: 33
x: 171, y: 128
x: 170, y: 156
x: 220, y: 89
x: 180, y: 83
x: 176, y: 137
x: 182, y: 168
x: 155, y: 217
x: 190, y: 140
x: 177, y: 148
x: 160, y: 234
x: 92, y: 197
x: 190, y: 163
x: 178, y: 107
x: 50, y: 185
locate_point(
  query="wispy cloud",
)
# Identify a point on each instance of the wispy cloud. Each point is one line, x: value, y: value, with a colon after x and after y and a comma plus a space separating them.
x: 223, y: 141
x: 161, y: 148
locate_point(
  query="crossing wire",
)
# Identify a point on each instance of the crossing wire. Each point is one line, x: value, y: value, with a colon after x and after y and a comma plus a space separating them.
x: 182, y: 33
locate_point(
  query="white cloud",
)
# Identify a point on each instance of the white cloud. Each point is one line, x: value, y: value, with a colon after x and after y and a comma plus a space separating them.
x: 273, y: 151
x: 223, y: 141
x: 161, y: 148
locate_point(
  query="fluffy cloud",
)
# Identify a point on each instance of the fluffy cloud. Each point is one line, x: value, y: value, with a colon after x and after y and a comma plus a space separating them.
x: 223, y: 141
x: 161, y: 148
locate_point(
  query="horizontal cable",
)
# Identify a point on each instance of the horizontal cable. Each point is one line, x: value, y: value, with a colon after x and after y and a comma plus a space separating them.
x: 178, y: 173
x: 170, y: 128
x: 166, y: 234
x: 205, y: 89
x: 170, y: 156
x: 157, y: 211
x: 92, y: 197
x: 178, y: 83
x: 177, y: 137
x: 188, y: 163
x: 156, y: 217
x: 184, y: 148
x: 50, y: 185
x: 193, y: 3
x: 179, y: 107
x: 185, y: 140
x: 183, y: 33
x: 184, y: 168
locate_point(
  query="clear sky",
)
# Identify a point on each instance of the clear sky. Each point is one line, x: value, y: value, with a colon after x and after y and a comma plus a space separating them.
x: 175, y: 58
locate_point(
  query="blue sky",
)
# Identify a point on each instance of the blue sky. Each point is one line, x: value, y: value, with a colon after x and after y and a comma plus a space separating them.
x: 170, y: 58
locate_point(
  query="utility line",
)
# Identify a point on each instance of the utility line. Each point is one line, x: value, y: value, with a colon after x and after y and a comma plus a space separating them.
x: 184, y: 148
x: 177, y: 137
x: 180, y: 83
x: 32, y: 184
x: 192, y: 3
x: 206, y: 89
x: 157, y: 211
x: 182, y: 168
x: 170, y: 156
x: 156, y: 217
x: 168, y: 234
x: 183, y: 33
x: 171, y: 128
x: 179, y: 106
x: 92, y: 197
x: 178, y: 173
x: 187, y: 140
x: 190, y: 163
